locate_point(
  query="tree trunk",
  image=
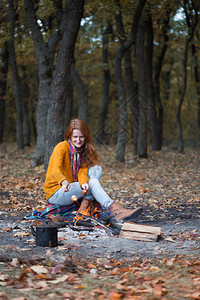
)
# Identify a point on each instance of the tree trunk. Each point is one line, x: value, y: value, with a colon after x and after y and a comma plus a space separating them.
x: 143, y: 103
x: 132, y: 94
x: 81, y: 94
x: 191, y: 27
x: 33, y: 123
x: 153, y: 119
x: 26, y: 124
x: 16, y: 80
x: 166, y: 83
x: 158, y: 68
x: 105, y: 102
x: 121, y: 142
x: 26, y: 119
x: 197, y: 79
x: 69, y: 103
x: 3, y: 84
x: 55, y: 118
x: 45, y: 55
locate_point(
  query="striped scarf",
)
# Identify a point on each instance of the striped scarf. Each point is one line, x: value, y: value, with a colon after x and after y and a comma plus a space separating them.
x: 75, y: 158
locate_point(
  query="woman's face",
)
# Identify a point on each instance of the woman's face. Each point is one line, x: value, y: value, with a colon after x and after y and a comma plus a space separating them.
x: 77, y: 138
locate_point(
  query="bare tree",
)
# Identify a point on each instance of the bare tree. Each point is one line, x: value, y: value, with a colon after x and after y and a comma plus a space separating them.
x: 105, y: 101
x: 3, y: 84
x: 131, y: 89
x: 197, y: 79
x: 142, y: 92
x: 45, y: 56
x: 69, y: 102
x: 192, y: 20
x: 153, y: 116
x: 16, y: 79
x: 132, y: 97
x: 52, y: 93
x: 81, y: 94
x: 125, y: 45
x: 72, y: 15
x: 157, y: 73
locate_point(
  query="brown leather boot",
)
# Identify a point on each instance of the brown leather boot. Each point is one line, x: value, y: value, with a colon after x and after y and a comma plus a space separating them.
x: 84, y: 206
x: 121, y: 214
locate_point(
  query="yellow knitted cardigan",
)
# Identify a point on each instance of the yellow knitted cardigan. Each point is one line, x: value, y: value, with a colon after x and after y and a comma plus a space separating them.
x: 60, y: 169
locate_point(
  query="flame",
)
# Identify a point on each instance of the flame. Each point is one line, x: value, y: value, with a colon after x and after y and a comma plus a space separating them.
x: 90, y: 211
x: 85, y: 212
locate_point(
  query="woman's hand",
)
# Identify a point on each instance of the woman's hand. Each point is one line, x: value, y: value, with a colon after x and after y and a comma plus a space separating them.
x: 85, y: 186
x: 65, y: 185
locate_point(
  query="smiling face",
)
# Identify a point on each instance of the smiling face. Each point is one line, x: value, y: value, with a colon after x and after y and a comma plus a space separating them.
x: 77, y: 138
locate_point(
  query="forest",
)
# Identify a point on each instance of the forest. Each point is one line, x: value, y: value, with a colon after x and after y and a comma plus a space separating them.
x: 130, y: 69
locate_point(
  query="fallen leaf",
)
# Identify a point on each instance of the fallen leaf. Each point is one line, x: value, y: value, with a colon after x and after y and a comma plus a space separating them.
x: 60, y: 279
x: 3, y: 295
x: 3, y: 283
x: 195, y: 295
x: 67, y: 295
x: 124, y: 269
x: 169, y: 239
x: 118, y: 286
x: 80, y: 286
x: 14, y: 262
x: 32, y: 240
x: 159, y: 291
x: 114, y: 295
x: 91, y: 266
x: 39, y: 269
x: 24, y: 275
x: 21, y: 234
x: 4, y: 277
x: 41, y: 285
x: 8, y: 229
x: 196, y: 281
x: 154, y: 268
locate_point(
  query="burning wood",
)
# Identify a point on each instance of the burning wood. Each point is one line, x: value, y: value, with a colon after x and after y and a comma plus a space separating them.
x: 85, y: 219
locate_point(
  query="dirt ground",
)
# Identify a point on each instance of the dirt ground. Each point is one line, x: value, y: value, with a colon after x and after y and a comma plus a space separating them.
x: 180, y: 238
x: 96, y: 264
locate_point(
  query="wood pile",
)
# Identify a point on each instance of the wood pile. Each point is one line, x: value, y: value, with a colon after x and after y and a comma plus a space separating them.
x: 140, y: 232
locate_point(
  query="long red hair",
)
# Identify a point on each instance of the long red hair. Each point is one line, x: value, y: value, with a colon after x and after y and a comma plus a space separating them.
x: 89, y: 155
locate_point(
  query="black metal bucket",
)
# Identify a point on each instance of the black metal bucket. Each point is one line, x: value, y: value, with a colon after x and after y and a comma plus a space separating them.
x: 46, y: 235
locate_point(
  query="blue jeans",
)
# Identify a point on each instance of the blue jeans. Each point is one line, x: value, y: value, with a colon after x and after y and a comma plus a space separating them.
x: 96, y: 191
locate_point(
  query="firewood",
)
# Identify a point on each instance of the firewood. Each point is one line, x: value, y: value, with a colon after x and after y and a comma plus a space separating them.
x: 139, y: 236
x: 141, y: 228
x: 140, y: 232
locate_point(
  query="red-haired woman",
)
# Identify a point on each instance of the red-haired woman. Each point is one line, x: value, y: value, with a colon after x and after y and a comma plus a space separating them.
x: 73, y: 167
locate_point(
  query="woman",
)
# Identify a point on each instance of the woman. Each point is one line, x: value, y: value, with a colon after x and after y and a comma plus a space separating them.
x: 74, y: 168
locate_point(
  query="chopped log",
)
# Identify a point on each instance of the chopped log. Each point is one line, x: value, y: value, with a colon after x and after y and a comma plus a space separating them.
x: 141, y: 228
x: 139, y: 236
x: 140, y: 232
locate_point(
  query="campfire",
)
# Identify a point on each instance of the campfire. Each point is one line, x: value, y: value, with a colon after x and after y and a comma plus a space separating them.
x: 90, y: 219
x: 86, y: 220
